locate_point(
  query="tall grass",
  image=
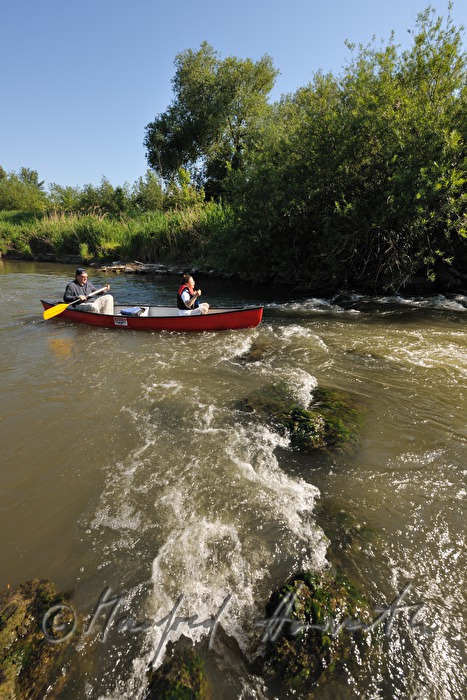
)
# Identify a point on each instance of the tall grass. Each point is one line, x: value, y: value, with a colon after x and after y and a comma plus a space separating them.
x: 187, y: 234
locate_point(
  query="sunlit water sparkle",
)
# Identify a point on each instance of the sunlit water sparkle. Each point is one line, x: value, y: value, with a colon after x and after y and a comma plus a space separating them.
x: 128, y: 465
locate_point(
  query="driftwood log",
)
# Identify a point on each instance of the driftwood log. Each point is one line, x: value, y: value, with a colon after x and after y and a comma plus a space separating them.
x: 141, y: 268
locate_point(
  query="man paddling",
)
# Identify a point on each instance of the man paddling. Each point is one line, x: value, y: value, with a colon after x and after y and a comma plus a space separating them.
x: 81, y: 288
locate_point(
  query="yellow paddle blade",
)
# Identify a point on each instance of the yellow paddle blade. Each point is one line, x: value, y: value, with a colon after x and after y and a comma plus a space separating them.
x: 54, y: 311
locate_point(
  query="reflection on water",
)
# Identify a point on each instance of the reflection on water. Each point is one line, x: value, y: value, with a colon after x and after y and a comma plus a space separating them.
x: 128, y: 465
x: 61, y: 347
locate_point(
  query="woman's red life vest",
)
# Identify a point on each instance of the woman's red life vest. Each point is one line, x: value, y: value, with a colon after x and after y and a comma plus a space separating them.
x: 180, y: 303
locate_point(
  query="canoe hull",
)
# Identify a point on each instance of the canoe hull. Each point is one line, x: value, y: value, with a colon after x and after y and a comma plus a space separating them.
x: 162, y: 318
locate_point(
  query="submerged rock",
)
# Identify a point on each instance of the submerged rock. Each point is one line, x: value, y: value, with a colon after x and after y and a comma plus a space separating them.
x: 331, y: 420
x: 314, y: 623
x: 30, y: 662
x: 181, y: 677
x: 349, y: 537
x: 256, y: 353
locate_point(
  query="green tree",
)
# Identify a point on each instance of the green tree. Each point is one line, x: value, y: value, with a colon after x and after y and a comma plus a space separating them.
x: 105, y: 199
x: 22, y: 191
x: 31, y: 177
x: 147, y: 193
x: 64, y: 198
x: 400, y: 125
x: 206, y: 128
x: 360, y: 180
x: 181, y: 193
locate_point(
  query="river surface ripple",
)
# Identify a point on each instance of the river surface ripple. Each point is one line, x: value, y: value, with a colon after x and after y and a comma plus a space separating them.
x: 128, y: 471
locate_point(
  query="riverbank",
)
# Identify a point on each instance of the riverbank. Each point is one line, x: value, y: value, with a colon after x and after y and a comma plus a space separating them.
x: 448, y: 281
x: 206, y: 239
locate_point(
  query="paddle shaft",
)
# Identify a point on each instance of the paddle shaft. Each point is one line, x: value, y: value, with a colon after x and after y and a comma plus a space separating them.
x: 59, y: 308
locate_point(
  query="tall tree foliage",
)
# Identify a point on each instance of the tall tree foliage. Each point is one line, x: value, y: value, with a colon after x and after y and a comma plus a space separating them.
x: 206, y: 128
x: 22, y: 191
x: 147, y: 193
x: 361, y: 179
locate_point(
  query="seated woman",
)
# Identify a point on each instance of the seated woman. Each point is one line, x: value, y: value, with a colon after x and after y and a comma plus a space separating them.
x: 81, y: 288
x: 187, y: 298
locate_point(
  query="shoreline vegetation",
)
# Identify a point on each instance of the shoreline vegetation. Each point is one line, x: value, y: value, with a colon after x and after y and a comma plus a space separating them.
x: 171, y: 241
x: 356, y: 181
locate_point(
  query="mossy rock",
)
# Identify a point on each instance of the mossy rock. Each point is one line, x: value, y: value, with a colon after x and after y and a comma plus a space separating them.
x: 256, y: 353
x: 331, y: 421
x: 319, y: 616
x: 29, y: 663
x: 181, y: 677
x: 348, y: 536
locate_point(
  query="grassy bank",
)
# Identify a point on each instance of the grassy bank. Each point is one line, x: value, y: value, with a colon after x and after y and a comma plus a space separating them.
x: 209, y: 235
x: 150, y: 236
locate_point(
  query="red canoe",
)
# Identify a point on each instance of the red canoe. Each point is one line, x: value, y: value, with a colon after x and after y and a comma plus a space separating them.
x: 165, y: 318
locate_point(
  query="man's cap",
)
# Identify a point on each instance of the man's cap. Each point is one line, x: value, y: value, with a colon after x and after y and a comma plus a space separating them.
x: 80, y: 271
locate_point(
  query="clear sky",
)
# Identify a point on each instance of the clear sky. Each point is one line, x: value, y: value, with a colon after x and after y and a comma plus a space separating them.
x: 80, y: 79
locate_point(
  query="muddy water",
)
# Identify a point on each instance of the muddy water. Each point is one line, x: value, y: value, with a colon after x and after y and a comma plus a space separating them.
x: 128, y: 471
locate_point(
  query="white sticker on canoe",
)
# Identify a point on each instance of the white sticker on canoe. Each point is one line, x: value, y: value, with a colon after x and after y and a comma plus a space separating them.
x: 119, y: 321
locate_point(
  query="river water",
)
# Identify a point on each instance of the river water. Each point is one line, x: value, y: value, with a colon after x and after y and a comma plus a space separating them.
x: 130, y: 476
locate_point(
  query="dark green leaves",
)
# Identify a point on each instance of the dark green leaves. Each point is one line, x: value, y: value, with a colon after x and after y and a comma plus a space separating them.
x: 206, y: 128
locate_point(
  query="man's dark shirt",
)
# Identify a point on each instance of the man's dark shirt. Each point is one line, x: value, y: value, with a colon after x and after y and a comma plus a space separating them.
x: 74, y: 290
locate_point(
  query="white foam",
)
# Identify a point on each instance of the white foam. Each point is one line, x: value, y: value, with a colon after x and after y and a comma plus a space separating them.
x: 300, y: 383
x: 439, y: 301
x: 204, y: 492
x: 293, y: 331
x: 314, y: 305
x: 457, y: 303
x: 206, y: 559
x: 238, y: 345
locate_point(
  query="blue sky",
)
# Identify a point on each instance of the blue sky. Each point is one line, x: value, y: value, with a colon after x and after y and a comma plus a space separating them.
x: 81, y: 79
